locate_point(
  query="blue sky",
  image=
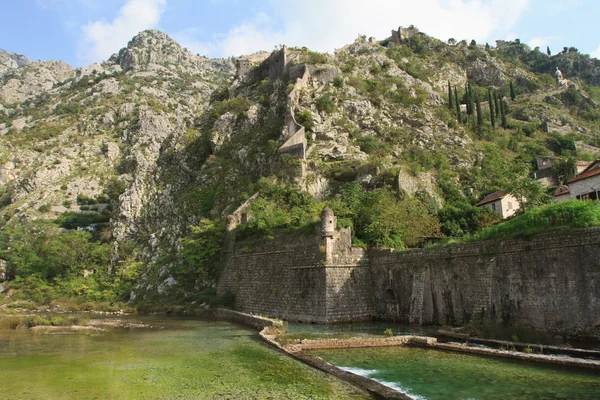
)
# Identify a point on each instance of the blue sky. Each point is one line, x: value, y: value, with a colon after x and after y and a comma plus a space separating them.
x: 84, y: 31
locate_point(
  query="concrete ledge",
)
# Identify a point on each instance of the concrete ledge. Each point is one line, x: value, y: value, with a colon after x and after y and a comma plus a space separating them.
x: 537, y: 348
x: 515, y: 355
x: 360, y: 342
x: 254, y: 321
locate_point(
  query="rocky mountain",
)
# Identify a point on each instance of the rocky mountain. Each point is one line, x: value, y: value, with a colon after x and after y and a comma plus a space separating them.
x: 157, y: 140
x: 11, y: 61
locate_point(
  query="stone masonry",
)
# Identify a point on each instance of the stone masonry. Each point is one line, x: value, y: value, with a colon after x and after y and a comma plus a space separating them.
x: 315, y: 278
x: 550, y: 281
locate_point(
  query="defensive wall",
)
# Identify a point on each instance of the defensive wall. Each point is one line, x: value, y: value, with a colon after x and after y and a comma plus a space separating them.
x: 550, y: 281
x: 313, y: 278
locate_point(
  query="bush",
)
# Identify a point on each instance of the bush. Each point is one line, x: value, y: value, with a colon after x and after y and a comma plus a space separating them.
x: 338, y: 82
x: 305, y: 118
x: 72, y: 109
x: 325, y: 104
x: 388, y: 332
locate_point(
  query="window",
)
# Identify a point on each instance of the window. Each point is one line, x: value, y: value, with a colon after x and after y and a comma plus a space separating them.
x: 510, y: 205
x: 494, y: 207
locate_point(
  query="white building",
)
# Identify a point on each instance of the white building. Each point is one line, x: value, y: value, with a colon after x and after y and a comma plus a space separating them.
x: 586, y: 185
x: 502, y: 203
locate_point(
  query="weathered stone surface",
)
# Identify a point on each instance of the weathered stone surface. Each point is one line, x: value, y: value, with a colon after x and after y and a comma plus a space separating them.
x: 294, y: 282
x: 528, y: 281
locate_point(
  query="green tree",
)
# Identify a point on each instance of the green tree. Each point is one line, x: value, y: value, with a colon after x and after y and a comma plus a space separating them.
x: 548, y: 50
x: 496, y: 104
x: 450, y: 97
x: 467, y: 100
x: 384, y: 220
x: 513, y: 95
x: 457, y: 103
x: 528, y: 192
x: 491, y: 105
x: 503, y: 113
x: 479, y: 114
x: 470, y: 99
x: 201, y: 250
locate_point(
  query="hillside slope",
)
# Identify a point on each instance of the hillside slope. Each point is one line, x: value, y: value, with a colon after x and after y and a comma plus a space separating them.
x: 149, y: 153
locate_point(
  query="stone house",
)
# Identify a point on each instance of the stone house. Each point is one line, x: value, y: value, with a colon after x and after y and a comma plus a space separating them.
x: 562, y: 193
x: 586, y: 185
x: 502, y: 203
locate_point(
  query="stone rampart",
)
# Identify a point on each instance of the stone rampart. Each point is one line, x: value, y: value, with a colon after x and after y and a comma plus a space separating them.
x: 289, y: 277
x: 549, y: 281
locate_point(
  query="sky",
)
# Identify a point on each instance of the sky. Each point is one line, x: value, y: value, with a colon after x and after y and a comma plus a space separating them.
x: 81, y: 32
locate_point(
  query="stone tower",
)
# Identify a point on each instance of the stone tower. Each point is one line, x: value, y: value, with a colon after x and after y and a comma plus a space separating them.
x: 328, y: 226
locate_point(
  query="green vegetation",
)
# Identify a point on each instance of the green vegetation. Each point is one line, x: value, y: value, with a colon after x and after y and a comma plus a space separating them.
x: 16, y: 321
x: 566, y: 214
x: 382, y: 217
x: 325, y: 104
x: 192, y: 359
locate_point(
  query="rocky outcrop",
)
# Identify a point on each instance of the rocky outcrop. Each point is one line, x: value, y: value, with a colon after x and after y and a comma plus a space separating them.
x: 33, y: 79
x: 11, y: 61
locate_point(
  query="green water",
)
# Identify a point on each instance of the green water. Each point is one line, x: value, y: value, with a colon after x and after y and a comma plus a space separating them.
x: 179, y: 359
x: 434, y: 374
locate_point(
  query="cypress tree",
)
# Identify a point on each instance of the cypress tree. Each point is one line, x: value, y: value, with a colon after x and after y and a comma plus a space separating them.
x: 450, y: 97
x: 548, y: 50
x: 467, y: 99
x: 513, y: 96
x: 497, y: 104
x: 457, y: 103
x: 479, y: 114
x: 471, y: 103
x: 492, y: 113
x: 503, y: 112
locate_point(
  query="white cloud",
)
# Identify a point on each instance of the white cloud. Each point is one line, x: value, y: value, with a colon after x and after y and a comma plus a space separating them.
x: 325, y: 25
x: 101, y: 38
x: 596, y: 53
x: 541, y: 42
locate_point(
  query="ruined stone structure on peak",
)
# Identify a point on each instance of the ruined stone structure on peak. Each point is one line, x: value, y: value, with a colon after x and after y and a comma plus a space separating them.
x: 562, y: 81
x: 283, y: 63
x: 403, y: 34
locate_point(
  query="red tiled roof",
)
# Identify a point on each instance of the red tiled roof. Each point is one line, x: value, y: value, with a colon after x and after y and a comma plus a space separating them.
x: 493, y: 197
x: 588, y: 172
x: 558, y: 193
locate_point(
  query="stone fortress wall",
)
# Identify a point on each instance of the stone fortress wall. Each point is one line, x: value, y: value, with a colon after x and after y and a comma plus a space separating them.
x: 315, y: 278
x: 550, y: 281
